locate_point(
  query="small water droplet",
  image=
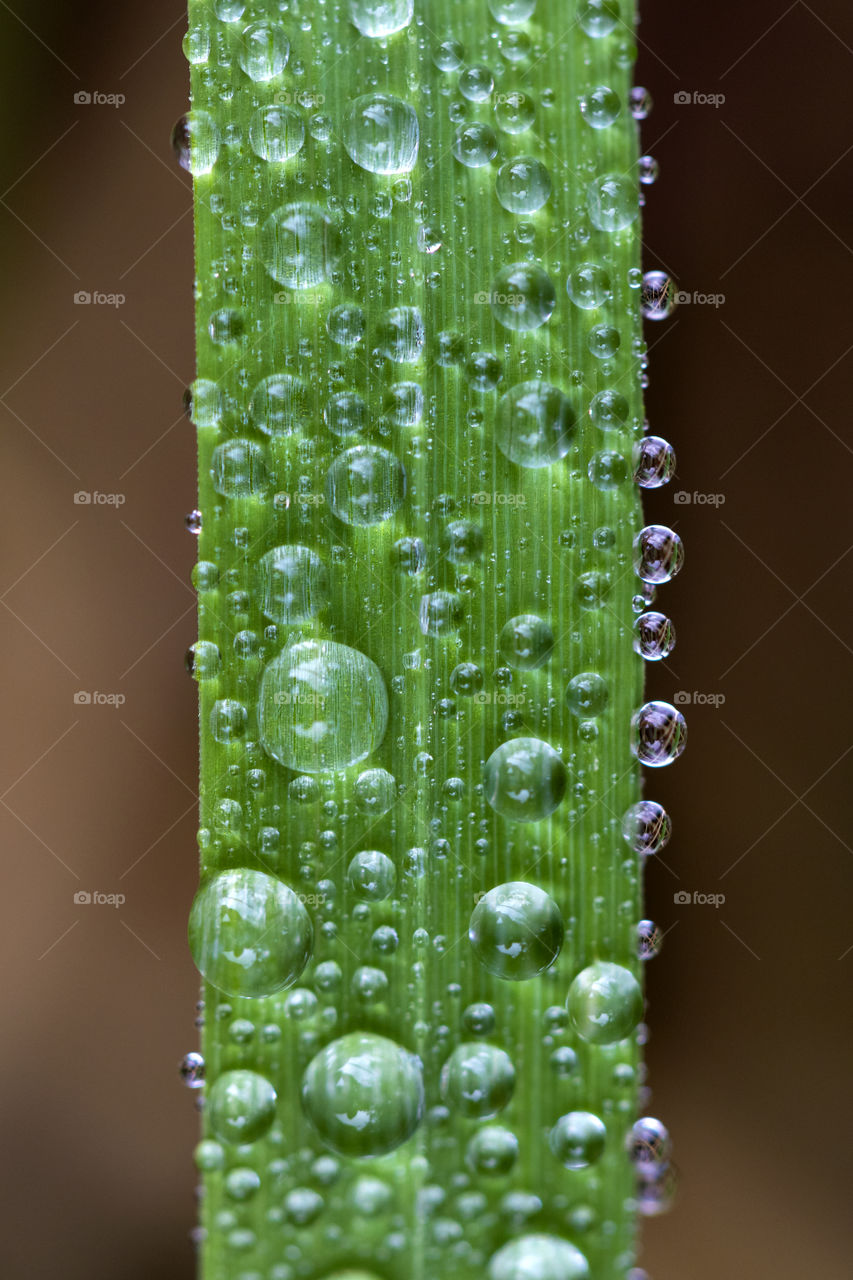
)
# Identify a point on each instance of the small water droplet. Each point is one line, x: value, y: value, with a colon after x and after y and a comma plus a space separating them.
x: 659, y: 734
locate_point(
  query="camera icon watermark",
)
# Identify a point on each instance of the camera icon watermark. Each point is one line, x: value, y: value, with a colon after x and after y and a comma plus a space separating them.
x: 94, y: 698
x: 683, y: 498
x: 83, y: 898
x: 684, y: 698
x: 306, y: 98
x: 489, y: 298
x: 684, y: 98
x: 87, y: 298
x: 682, y: 898
x: 95, y: 98
x: 94, y: 498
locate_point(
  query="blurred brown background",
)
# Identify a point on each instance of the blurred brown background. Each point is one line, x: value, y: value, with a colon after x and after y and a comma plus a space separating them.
x: 750, y: 1057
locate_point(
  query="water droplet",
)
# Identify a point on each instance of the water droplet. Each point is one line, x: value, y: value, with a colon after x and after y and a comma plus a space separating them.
x: 515, y: 112
x: 648, y: 170
x: 364, y: 1094
x: 228, y: 719
x: 640, y: 102
x: 657, y: 300
x: 322, y: 706
x: 209, y: 1155
x: 402, y: 335
x: 511, y: 12
x: 440, y: 613
x: 463, y: 542
x: 603, y: 341
x: 405, y: 404
x: 649, y: 940
x: 516, y: 930
x: 239, y: 469
x: 409, y: 555
x: 381, y: 134
x: 654, y: 636
x: 365, y: 485
x: 612, y: 202
x: 263, y: 51
x: 526, y: 642
x: 466, y: 679
x: 193, y: 522
x: 241, y: 1107
x: 478, y: 1080
x: 484, y: 371
x: 525, y: 780
x: 203, y: 403
x: 346, y: 324
x: 293, y: 584
x: 203, y: 660
x: 479, y: 1019
x: 229, y: 10
x: 588, y: 286
x: 449, y: 55
x: 226, y: 325
x: 659, y: 734
x: 577, y: 1139
x: 600, y: 107
x: 299, y: 245
x: 587, y: 694
x: 375, y: 792
x: 538, y: 1257
x: 277, y: 406
x: 646, y: 827
x: 476, y: 84
x: 658, y: 553
x: 607, y: 470
x: 649, y: 1145
x: 196, y: 46
x: 523, y: 297
x: 192, y: 1070
x: 346, y: 414
x: 276, y: 133
x: 598, y: 17
x: 380, y: 18
x: 654, y: 462
x: 534, y: 424
x: 515, y: 46
x: 523, y: 185
x: 493, y: 1151
x: 605, y: 1003
x: 474, y: 145
x: 196, y: 142
x: 429, y: 239
x: 609, y: 410
x: 372, y: 875
x: 249, y: 933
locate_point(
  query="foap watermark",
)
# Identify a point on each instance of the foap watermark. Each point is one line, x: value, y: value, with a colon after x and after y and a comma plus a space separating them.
x: 494, y: 499
x: 684, y: 298
x: 94, y: 698
x: 683, y: 498
x: 95, y: 98
x: 498, y: 698
x: 298, y: 698
x: 682, y: 898
x: 490, y: 298
x: 94, y: 498
x: 696, y: 98
x: 94, y: 898
x: 306, y: 98
x: 684, y: 698
x: 89, y: 298
x: 285, y: 500
x: 287, y: 298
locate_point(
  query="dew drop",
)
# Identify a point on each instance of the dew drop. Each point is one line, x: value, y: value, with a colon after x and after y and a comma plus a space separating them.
x: 534, y: 424
x: 648, y: 170
x: 658, y: 553
x: 577, y: 1139
x: 346, y: 324
x: 276, y: 133
x: 588, y: 286
x: 345, y: 414
x: 587, y: 694
x: 516, y: 931
x: 612, y: 202
x: 364, y: 1094
x: 249, y: 933
x: 515, y: 112
x: 372, y: 875
x: 493, y: 1152
x: 293, y: 584
x: 476, y: 84
x: 239, y: 469
x: 657, y: 299
x: 402, y: 335
x: 654, y: 636
x: 646, y: 827
x: 649, y: 940
x: 192, y: 1070
x: 522, y: 297
x: 322, y: 705
x: 299, y: 245
x: 474, y: 145
x: 380, y: 18
x: 607, y: 470
x: 598, y: 17
x: 365, y: 485
x: 654, y: 462
x: 277, y: 406
x: 380, y: 133
x: 196, y: 141
x: 609, y: 410
x: 605, y: 1003
x: 659, y: 733
x: 526, y: 642
x: 640, y: 101
x: 241, y: 1106
x: 538, y: 1257
x: 649, y: 1145
x: 600, y: 107
x: 523, y: 185
x: 478, y: 1080
x: 263, y: 51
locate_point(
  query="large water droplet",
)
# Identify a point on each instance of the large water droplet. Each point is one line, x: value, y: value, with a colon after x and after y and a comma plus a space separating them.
x: 249, y: 934
x: 612, y: 202
x: 365, y: 485
x: 380, y: 18
x: 525, y: 780
x: 380, y: 133
x: 322, y: 706
x: 346, y: 324
x: 511, y: 13
x: 276, y: 133
x: 657, y: 299
x: 241, y: 1106
x: 196, y: 141
x: 478, y: 1080
x: 659, y: 734
x: 588, y: 286
x: 605, y: 1003
x: 516, y: 931
x: 538, y: 1257
x: 364, y: 1094
x: 402, y: 335
x: 577, y: 1139
x: 654, y: 636
x: 263, y: 50
x: 239, y: 469
x: 587, y: 694
x: 647, y: 827
x: 474, y: 145
x: 654, y: 462
x: 299, y: 245
x: 523, y: 185
x: 523, y: 296
x: 526, y: 642
x: 372, y: 875
x: 534, y: 424
x: 658, y: 553
x: 600, y: 106
x: 293, y: 584
x: 277, y: 406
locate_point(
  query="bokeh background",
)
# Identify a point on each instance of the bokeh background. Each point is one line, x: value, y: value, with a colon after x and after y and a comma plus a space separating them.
x: 750, y: 1007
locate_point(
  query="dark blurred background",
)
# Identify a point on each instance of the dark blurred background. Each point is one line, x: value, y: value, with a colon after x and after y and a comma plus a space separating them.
x: 750, y: 1009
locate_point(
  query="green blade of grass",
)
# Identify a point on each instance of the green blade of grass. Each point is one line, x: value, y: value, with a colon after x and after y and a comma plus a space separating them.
x: 417, y: 920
